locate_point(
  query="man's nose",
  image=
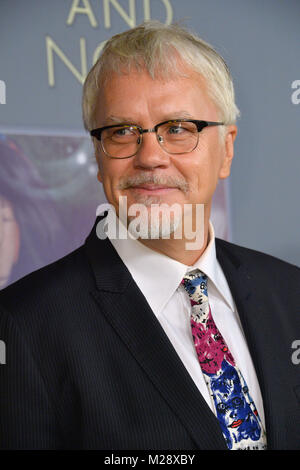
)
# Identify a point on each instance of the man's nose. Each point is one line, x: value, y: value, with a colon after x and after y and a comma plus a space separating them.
x: 150, y: 153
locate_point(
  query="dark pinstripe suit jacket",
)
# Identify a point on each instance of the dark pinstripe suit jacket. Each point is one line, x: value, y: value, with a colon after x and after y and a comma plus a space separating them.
x: 89, y: 366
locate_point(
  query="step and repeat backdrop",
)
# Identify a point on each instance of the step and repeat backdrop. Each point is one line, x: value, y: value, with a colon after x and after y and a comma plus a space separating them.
x: 49, y: 192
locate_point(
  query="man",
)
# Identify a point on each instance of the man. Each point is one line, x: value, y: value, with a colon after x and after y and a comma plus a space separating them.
x: 159, y: 339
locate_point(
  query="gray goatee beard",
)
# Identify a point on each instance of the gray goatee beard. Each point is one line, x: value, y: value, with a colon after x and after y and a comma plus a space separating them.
x: 158, y: 222
x: 155, y: 226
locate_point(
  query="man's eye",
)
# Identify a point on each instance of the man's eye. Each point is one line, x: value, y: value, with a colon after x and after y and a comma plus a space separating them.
x: 176, y: 130
x: 122, y: 131
x: 124, y: 134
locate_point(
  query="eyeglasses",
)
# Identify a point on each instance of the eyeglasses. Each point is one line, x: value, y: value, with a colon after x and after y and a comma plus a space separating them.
x: 176, y: 137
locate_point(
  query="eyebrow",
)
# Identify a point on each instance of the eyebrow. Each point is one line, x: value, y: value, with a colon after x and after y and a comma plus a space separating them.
x: 179, y: 114
x: 126, y: 119
x: 117, y: 119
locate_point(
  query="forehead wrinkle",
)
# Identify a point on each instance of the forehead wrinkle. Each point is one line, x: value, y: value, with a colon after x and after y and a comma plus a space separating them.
x: 111, y: 119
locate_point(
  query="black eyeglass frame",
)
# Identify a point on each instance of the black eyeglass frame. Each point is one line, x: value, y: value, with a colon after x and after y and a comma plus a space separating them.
x: 200, y: 124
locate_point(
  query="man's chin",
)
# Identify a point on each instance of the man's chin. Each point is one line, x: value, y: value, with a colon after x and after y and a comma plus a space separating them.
x: 153, y: 228
x: 150, y: 216
x: 149, y: 200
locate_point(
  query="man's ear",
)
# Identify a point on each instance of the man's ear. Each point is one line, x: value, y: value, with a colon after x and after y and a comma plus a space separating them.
x: 231, y: 132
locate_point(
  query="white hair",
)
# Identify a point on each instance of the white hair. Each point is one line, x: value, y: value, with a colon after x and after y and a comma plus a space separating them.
x: 156, y: 47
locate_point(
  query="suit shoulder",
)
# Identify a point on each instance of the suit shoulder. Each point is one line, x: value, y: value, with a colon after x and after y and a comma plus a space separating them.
x: 48, y: 284
x: 254, y: 257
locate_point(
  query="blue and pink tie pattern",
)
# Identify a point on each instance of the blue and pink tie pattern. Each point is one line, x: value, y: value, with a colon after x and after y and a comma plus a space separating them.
x: 234, y: 407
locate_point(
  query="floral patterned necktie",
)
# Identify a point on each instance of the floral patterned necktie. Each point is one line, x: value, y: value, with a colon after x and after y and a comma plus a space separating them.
x: 234, y: 407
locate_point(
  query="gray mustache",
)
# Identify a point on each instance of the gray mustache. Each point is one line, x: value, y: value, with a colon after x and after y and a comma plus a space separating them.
x: 130, y: 181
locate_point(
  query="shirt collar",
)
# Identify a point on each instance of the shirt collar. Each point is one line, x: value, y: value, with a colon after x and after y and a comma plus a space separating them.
x: 157, y: 275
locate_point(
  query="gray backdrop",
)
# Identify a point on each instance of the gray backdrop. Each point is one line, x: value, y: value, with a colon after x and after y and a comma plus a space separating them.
x: 259, y: 39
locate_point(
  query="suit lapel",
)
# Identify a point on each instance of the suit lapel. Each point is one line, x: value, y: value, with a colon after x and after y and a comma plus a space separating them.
x: 252, y: 306
x: 128, y: 312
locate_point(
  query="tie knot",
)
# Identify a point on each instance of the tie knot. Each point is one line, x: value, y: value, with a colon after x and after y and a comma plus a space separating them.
x: 195, y: 284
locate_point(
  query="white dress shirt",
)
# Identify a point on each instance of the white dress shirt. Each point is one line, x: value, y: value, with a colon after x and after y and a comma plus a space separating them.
x: 159, y: 276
